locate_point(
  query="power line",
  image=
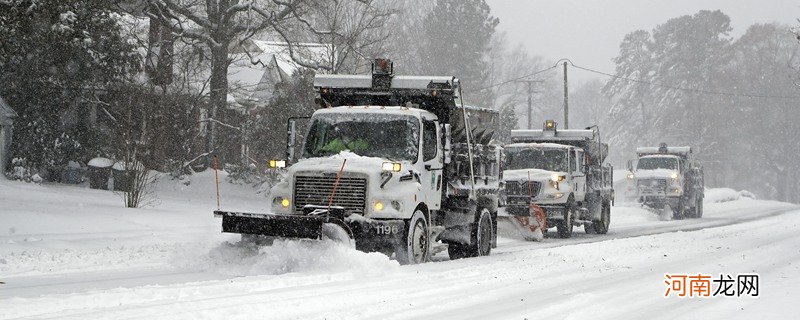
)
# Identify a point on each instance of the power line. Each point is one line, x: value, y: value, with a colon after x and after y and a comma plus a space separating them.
x: 702, y: 91
x: 517, y: 78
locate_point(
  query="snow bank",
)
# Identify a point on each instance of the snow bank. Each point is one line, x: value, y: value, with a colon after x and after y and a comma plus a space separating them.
x: 287, y: 256
x: 718, y: 195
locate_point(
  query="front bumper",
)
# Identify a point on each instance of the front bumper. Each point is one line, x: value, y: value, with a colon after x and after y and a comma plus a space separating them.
x: 367, y: 233
x: 658, y: 201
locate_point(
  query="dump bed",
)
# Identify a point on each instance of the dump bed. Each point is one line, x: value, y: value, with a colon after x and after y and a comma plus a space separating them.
x: 435, y: 94
x: 588, y: 140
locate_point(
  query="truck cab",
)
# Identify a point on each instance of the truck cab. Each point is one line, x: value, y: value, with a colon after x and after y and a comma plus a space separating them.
x: 561, y: 172
x: 669, y: 176
x: 546, y: 173
x: 389, y: 152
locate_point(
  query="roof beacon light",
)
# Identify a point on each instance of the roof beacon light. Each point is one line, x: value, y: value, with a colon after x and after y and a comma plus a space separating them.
x: 549, y: 125
x: 662, y: 148
x: 383, y: 66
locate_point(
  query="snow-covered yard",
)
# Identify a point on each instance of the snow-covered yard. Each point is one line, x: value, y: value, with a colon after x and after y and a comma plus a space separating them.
x: 72, y: 252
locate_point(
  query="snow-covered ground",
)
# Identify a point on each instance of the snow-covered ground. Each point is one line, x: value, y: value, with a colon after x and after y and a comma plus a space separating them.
x: 71, y: 252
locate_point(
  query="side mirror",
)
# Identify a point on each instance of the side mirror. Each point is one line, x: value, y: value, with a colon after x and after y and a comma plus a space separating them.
x: 291, y: 133
x: 629, y: 165
x: 447, y: 143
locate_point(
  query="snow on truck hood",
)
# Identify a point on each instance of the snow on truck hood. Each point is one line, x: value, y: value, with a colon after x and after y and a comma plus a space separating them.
x: 535, y: 174
x: 655, y: 173
x: 355, y: 163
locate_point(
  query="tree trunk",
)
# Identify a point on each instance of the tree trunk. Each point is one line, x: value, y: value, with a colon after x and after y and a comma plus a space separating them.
x: 219, y: 94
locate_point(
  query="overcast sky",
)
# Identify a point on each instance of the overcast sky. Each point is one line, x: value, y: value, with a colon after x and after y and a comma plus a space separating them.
x: 588, y: 32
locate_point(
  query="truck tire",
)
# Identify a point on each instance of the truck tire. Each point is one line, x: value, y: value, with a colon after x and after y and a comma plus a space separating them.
x: 601, y: 226
x: 564, y: 227
x: 678, y: 213
x: 698, y: 209
x: 481, y: 235
x: 417, y: 245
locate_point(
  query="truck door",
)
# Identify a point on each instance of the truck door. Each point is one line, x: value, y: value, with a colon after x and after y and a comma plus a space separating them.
x: 577, y: 165
x: 431, y: 176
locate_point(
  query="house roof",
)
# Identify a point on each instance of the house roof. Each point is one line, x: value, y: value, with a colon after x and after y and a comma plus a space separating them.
x: 258, y: 65
x: 5, y: 110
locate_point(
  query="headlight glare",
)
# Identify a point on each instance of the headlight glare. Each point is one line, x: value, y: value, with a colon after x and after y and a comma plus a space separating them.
x: 391, y: 166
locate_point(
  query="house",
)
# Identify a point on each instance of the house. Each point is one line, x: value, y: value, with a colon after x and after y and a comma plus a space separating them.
x: 7, y: 116
x: 259, y: 65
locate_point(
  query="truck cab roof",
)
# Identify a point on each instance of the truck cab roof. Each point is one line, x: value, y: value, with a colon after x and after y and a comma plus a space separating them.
x: 414, y: 112
x: 659, y: 156
x: 539, y: 145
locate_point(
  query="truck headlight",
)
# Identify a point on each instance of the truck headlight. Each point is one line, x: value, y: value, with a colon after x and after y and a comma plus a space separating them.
x: 284, y: 202
x: 391, y: 166
x: 630, y: 176
x: 381, y: 205
x: 557, y: 177
x: 554, y: 195
x: 674, y: 176
x: 275, y: 164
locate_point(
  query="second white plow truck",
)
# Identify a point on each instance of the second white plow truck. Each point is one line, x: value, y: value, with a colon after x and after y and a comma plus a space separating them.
x: 561, y: 172
x: 395, y: 164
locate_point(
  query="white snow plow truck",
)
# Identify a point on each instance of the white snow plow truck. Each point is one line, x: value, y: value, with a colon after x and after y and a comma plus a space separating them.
x: 561, y: 172
x: 393, y: 164
x: 669, y: 176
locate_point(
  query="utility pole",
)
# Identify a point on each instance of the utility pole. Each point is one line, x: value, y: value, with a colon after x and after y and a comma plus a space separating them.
x: 530, y: 105
x: 530, y: 99
x: 566, y: 99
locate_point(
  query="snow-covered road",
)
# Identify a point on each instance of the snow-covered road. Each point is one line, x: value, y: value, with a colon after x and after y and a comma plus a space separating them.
x: 100, y: 261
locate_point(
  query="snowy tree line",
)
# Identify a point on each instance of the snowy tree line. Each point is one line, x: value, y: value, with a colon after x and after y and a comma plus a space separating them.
x: 150, y: 77
x: 689, y: 82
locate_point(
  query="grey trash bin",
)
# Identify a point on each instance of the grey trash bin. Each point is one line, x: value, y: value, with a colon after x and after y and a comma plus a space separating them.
x: 73, y: 173
x: 99, y: 173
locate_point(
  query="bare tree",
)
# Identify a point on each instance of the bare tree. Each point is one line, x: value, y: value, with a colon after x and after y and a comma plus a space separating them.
x: 218, y: 24
x: 353, y: 30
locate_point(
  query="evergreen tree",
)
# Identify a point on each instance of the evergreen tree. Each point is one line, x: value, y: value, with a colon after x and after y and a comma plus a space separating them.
x: 508, y: 121
x: 55, y: 56
x: 455, y: 41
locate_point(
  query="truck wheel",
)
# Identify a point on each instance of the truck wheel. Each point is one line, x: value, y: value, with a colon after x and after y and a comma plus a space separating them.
x: 417, y: 247
x: 481, y: 237
x: 589, y: 228
x: 678, y: 211
x: 601, y: 227
x: 698, y: 209
x: 564, y: 227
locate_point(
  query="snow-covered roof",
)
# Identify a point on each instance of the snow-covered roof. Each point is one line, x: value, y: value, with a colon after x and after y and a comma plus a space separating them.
x: 417, y: 113
x: 683, y: 151
x: 659, y: 156
x: 566, y: 135
x: 537, y: 145
x: 259, y: 65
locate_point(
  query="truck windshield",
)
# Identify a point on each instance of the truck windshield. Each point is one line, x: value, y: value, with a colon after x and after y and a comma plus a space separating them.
x: 652, y: 163
x: 394, y: 137
x: 535, y: 158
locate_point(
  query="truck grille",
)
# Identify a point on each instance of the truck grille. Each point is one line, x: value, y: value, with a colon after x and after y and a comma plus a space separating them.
x: 652, y: 185
x: 316, y: 190
x: 520, y: 188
